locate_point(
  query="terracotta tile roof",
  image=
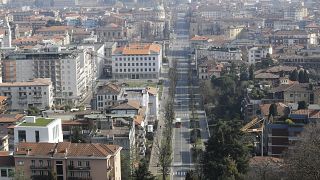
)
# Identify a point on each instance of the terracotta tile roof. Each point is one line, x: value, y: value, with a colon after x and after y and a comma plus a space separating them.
x: 66, y: 149
x: 266, y: 76
x: 301, y: 87
x: 139, y: 49
x: 138, y: 119
x: 3, y: 98
x: 131, y: 104
x: 199, y: 38
x: 109, y: 88
x: 35, y: 82
x: 74, y: 122
x: 55, y: 28
x: 10, y: 118
x: 281, y: 109
x: 313, y: 114
x: 277, y: 69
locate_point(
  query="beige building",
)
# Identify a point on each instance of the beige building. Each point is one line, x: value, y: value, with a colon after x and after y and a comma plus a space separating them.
x: 68, y: 160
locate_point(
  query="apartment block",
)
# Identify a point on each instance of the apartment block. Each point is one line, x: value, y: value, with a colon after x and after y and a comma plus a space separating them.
x: 220, y: 53
x: 67, y: 160
x: 22, y: 95
x: 33, y: 129
x: 70, y: 69
x: 256, y: 54
x: 137, y: 61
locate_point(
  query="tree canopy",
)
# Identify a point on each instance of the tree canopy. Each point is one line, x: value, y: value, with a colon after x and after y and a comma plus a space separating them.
x: 225, y: 156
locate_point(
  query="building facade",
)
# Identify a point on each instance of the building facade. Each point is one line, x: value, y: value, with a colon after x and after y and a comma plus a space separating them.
x: 68, y: 160
x: 22, y: 95
x: 33, y: 129
x: 137, y: 61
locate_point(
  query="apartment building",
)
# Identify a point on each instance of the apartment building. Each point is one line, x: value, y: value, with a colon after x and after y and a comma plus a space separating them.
x: 108, y: 95
x: 294, y: 93
x: 33, y: 129
x: 220, y: 53
x: 137, y: 61
x: 256, y: 54
x: 68, y: 160
x: 22, y: 95
x: 112, y: 32
x: 7, y: 121
x: 293, y: 37
x: 70, y: 69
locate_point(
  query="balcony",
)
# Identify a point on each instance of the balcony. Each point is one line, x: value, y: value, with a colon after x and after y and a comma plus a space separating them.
x: 23, y: 97
x: 40, y: 167
x: 73, y: 168
x: 37, y: 96
x: 79, y: 178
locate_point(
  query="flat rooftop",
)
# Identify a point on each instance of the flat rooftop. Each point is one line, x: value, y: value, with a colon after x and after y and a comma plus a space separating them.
x: 39, y: 122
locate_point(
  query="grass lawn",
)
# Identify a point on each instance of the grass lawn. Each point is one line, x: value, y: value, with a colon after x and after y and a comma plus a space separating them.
x: 39, y: 122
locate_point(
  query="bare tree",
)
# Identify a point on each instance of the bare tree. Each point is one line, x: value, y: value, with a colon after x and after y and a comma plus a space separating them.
x: 164, y: 152
x: 303, y: 160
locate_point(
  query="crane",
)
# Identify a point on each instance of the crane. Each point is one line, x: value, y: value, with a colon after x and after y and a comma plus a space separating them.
x: 251, y: 127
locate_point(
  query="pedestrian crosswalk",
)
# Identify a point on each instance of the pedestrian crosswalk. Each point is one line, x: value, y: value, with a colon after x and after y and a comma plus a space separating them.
x: 180, y: 173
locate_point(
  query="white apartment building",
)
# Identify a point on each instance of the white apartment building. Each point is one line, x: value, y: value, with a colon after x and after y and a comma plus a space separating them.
x: 220, y: 53
x: 71, y: 70
x: 255, y: 54
x: 33, y: 129
x: 137, y: 61
x: 22, y: 95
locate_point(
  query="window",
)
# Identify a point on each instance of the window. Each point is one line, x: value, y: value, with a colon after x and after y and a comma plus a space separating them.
x: 87, y: 163
x: 116, y: 64
x: 154, y: 58
x: 4, y: 173
x: 146, y: 64
x: 71, y: 163
x: 21, y: 135
x: 41, y: 162
x: 33, y: 162
x: 10, y: 172
x: 37, y: 136
x: 154, y: 64
x: 79, y: 163
x: 149, y: 64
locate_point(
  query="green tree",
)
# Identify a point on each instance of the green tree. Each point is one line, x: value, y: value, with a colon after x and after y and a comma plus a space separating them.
x: 125, y: 165
x: 273, y: 110
x: 225, y: 156
x: 191, y: 175
x: 301, y: 77
x: 244, y: 76
x: 251, y: 72
x: 302, y: 105
x: 77, y: 136
x: 233, y: 68
x: 294, y: 75
x: 142, y: 172
x: 33, y: 111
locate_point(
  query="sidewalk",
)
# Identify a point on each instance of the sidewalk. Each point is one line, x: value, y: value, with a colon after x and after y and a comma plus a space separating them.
x: 158, y: 134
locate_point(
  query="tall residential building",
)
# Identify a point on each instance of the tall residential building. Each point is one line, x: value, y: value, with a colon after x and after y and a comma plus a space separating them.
x: 137, y: 61
x: 68, y: 160
x: 22, y: 95
x: 71, y: 70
